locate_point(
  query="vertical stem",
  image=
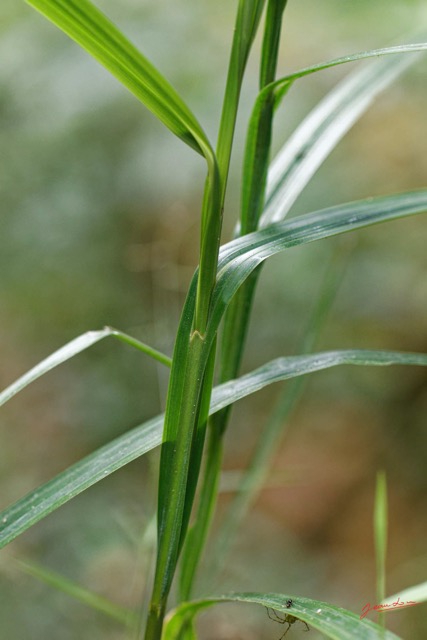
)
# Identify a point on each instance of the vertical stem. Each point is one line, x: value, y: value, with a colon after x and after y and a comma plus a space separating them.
x: 254, y: 180
x: 194, y: 348
x: 380, y: 534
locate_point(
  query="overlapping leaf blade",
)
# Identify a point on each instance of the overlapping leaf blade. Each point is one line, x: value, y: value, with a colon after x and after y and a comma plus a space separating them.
x: 93, y: 31
x: 45, y: 499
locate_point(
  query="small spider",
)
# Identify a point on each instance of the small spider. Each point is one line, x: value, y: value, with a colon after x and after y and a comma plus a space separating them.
x: 287, y: 619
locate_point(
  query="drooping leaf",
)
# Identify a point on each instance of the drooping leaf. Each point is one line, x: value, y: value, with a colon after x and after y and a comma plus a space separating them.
x: 71, y: 349
x: 333, y: 622
x: 93, y: 31
x: 39, y: 503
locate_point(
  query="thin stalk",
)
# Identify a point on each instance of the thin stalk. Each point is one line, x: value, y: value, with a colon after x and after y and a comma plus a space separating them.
x: 380, y: 534
x: 237, y: 319
x: 121, y: 615
x: 248, y: 16
x: 258, y: 142
x: 171, y: 514
x: 188, y: 398
x: 197, y: 535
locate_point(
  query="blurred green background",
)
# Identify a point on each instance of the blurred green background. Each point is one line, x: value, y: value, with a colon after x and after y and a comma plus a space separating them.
x: 99, y: 225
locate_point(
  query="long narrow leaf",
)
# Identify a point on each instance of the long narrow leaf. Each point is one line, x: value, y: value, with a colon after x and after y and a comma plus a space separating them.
x: 47, y: 498
x: 71, y: 349
x: 333, y: 622
x: 240, y: 257
x: 93, y: 31
x: 323, y: 128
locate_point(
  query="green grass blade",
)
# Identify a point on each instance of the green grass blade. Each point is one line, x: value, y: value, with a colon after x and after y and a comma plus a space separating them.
x: 323, y: 128
x: 361, y: 55
x: 76, y: 591
x: 333, y: 622
x: 93, y: 31
x: 293, y: 366
x: 47, y: 498
x: 258, y: 141
x: 239, y: 258
x: 247, y: 21
x: 197, y: 446
x: 198, y: 533
x: 271, y: 40
x: 380, y: 536
x: 255, y: 174
x: 184, y: 422
x: 39, y: 503
x: 71, y: 349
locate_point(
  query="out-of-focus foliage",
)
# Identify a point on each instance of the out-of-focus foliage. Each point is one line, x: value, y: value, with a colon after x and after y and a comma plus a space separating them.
x: 90, y: 235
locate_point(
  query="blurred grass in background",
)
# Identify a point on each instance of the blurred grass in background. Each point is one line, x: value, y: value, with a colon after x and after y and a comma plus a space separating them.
x: 98, y: 226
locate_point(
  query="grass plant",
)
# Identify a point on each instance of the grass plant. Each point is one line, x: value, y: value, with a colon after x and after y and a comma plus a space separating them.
x: 205, y: 366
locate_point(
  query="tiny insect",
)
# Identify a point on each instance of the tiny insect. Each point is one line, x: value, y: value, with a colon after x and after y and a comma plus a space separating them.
x: 287, y: 619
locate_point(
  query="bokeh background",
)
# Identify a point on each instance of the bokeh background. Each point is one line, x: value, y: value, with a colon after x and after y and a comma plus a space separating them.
x: 99, y: 225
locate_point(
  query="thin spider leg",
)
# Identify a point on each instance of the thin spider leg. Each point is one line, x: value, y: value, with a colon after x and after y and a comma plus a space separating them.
x: 275, y: 617
x: 289, y: 626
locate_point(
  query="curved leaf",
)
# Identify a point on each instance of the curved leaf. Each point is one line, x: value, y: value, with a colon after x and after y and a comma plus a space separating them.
x: 239, y: 258
x: 93, y: 31
x: 322, y: 129
x: 294, y: 366
x: 37, y: 504
x: 71, y: 349
x: 332, y: 621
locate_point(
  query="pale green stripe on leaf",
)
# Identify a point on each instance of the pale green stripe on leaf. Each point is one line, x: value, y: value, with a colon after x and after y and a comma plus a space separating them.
x: 116, y: 454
